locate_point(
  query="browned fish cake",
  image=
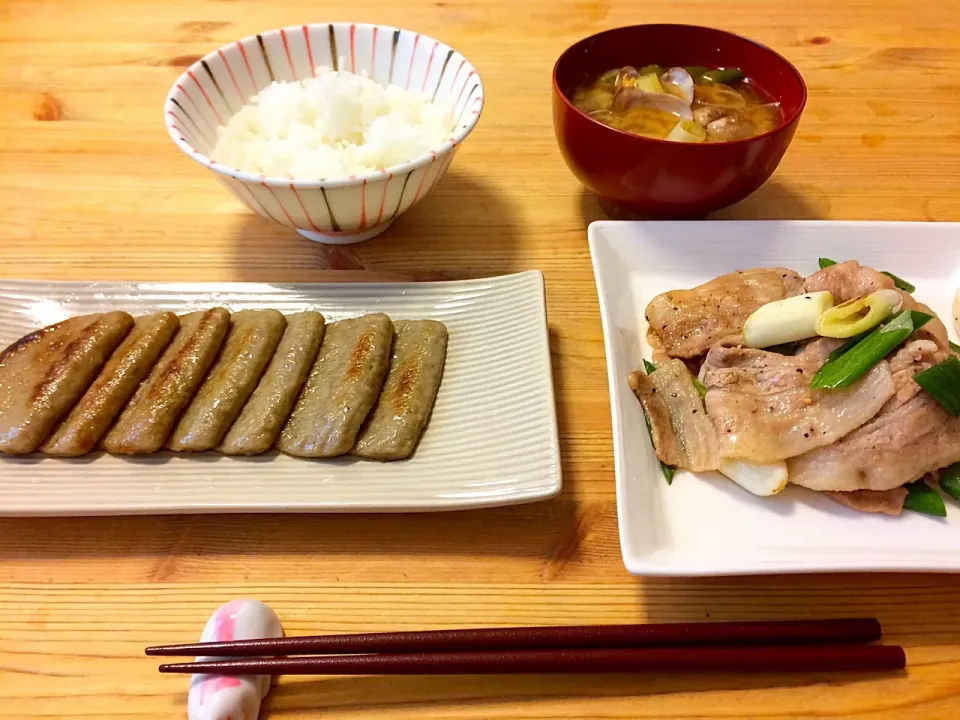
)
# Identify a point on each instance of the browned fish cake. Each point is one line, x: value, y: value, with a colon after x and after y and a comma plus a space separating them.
x: 44, y: 373
x: 341, y: 389
x: 145, y: 423
x: 416, y: 367
x: 269, y: 406
x: 250, y: 344
x: 100, y: 405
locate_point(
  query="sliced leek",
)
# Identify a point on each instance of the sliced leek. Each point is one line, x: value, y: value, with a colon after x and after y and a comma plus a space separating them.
x: 846, y: 369
x: 894, y: 298
x: 942, y: 383
x: 687, y: 131
x: 649, y: 83
x: 727, y: 76
x: 786, y: 321
x: 668, y: 470
x: 846, y: 346
x: 696, y: 71
x: 859, y: 315
x: 700, y: 387
x: 763, y: 480
x: 900, y: 283
x: 654, y: 69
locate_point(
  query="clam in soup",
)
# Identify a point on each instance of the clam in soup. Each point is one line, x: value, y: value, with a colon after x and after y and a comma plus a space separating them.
x: 684, y: 104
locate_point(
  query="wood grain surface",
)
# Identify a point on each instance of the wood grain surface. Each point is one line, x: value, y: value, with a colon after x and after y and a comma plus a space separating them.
x: 92, y: 188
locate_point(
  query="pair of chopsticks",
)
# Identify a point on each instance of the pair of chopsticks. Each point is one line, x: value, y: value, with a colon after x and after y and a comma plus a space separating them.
x: 779, y: 646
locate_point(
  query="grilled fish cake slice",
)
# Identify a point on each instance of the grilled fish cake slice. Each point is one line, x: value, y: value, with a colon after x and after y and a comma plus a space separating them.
x: 103, y: 401
x: 145, y: 424
x: 400, y: 415
x: 45, y: 373
x: 249, y: 346
x: 269, y: 406
x: 342, y: 387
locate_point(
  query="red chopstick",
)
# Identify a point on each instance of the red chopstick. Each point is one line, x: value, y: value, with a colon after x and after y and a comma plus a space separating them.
x: 818, y: 658
x: 791, y: 632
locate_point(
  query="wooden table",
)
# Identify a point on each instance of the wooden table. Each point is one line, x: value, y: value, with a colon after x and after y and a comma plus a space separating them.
x: 92, y: 188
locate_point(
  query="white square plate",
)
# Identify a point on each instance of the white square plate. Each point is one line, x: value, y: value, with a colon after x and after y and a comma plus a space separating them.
x: 492, y: 437
x: 704, y: 524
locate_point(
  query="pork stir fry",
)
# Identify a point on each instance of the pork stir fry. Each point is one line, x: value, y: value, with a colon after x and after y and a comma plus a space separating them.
x: 840, y: 382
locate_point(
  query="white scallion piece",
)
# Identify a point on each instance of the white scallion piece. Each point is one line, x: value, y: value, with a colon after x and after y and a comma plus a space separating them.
x: 762, y: 480
x: 786, y: 321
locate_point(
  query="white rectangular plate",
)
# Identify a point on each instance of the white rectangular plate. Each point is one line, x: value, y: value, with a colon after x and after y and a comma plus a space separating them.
x: 704, y: 524
x: 492, y: 438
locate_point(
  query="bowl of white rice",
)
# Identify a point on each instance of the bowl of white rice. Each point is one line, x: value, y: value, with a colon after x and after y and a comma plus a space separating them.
x: 332, y: 129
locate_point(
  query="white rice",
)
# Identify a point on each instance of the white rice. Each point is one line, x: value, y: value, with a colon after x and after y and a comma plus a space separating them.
x: 332, y: 126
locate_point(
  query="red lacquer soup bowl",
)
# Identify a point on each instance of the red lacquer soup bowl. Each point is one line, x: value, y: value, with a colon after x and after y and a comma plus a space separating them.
x: 660, y: 178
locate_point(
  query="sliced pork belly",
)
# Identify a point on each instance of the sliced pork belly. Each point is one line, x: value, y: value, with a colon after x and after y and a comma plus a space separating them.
x: 887, y: 502
x: 690, y: 322
x: 847, y: 280
x: 934, y: 330
x: 764, y: 410
x: 911, y: 436
x: 682, y: 434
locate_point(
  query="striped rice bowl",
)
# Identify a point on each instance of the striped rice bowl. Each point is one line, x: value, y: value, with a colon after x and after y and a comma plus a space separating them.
x: 350, y: 176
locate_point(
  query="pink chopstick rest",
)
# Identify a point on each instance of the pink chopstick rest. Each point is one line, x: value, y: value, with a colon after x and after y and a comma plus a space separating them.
x: 219, y: 697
